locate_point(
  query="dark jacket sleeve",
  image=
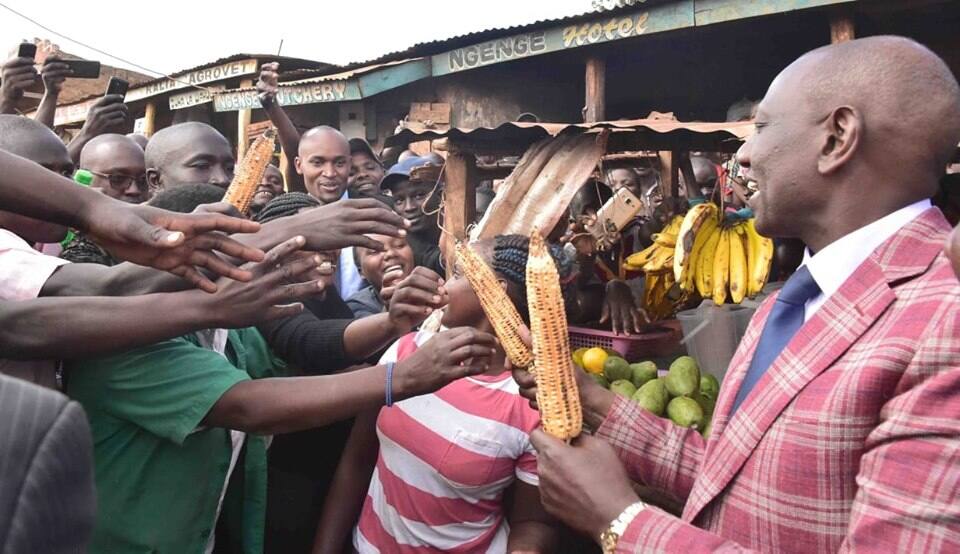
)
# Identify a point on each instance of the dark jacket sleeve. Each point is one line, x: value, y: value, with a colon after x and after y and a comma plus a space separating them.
x: 311, y: 344
x: 47, y: 496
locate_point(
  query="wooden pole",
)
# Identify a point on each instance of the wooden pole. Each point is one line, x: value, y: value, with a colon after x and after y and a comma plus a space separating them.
x: 149, y: 119
x: 669, y: 173
x: 285, y: 169
x: 460, y: 204
x: 243, y: 121
x: 596, y: 85
x: 841, y: 27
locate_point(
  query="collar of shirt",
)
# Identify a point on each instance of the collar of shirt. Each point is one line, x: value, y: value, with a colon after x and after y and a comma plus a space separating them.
x: 833, y: 265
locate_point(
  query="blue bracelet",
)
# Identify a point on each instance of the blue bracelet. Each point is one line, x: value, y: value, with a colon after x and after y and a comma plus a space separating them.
x: 389, y: 393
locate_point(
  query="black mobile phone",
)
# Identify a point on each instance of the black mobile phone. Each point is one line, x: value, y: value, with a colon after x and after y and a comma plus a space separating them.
x: 83, y: 69
x: 117, y: 86
x: 27, y: 50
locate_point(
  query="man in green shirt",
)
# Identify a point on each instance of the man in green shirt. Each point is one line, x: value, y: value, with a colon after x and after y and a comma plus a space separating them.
x: 161, y: 418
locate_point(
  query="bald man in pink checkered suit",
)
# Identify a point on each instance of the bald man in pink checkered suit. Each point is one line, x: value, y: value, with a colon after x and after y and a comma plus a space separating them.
x: 837, y: 427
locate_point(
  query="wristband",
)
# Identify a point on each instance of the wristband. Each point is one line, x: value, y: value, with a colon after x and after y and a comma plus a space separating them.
x: 389, y: 388
x: 610, y: 537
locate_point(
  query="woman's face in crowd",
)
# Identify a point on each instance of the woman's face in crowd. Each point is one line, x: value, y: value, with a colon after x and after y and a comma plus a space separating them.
x: 387, y: 268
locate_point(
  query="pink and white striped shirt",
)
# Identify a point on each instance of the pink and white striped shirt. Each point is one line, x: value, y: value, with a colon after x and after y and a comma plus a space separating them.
x: 445, y: 461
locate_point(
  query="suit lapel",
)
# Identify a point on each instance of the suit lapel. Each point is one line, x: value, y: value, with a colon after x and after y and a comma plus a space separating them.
x: 838, y: 324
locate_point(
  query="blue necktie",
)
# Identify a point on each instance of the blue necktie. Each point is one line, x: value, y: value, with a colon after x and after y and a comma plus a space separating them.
x: 785, y: 319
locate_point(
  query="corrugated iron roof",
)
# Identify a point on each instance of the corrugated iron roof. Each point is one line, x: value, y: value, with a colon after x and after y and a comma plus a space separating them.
x: 423, y: 49
x: 633, y: 134
x: 341, y: 76
x: 304, y: 63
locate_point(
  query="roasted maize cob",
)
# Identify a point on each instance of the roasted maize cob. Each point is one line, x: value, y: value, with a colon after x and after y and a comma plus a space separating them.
x: 500, y: 311
x: 557, y: 394
x: 249, y: 173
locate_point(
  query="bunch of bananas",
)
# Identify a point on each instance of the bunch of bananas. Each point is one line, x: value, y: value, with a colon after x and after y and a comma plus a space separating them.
x: 720, y: 261
x: 698, y: 253
x: 661, y: 295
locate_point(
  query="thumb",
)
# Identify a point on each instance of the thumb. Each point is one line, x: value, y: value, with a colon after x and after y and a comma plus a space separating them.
x: 541, y: 441
x: 605, y: 313
x: 151, y: 235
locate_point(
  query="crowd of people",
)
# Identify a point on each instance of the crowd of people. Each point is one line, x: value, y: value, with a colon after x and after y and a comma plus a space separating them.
x: 178, y: 377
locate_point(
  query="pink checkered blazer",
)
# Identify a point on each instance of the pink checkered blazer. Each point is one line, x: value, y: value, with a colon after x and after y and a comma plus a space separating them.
x: 849, y: 442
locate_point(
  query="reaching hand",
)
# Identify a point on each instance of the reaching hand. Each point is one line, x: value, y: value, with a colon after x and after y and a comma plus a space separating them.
x: 622, y: 310
x: 267, y: 84
x: 16, y: 76
x: 54, y: 73
x: 345, y: 224
x: 569, y: 488
x: 178, y: 243
x: 446, y: 357
x: 415, y: 298
x: 107, y: 115
x: 266, y: 296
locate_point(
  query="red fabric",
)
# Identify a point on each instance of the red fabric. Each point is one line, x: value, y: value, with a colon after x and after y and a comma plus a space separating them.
x: 406, y: 345
x: 849, y: 442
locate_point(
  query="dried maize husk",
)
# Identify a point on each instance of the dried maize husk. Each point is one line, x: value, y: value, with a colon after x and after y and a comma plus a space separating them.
x: 557, y: 394
x: 501, y: 312
x: 249, y: 173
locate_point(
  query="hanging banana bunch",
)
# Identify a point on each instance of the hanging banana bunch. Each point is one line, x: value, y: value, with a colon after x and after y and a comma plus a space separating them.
x: 721, y: 261
x: 700, y: 254
x: 661, y: 295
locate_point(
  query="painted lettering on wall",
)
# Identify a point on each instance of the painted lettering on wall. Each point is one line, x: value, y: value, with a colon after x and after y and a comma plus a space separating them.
x: 313, y: 93
x: 207, y: 75
x: 495, y: 51
x: 613, y: 29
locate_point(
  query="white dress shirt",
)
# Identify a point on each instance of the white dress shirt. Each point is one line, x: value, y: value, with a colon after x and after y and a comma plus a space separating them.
x: 833, y: 265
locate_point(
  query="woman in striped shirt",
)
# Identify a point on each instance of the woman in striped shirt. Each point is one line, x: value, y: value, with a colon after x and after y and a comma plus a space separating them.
x: 451, y: 471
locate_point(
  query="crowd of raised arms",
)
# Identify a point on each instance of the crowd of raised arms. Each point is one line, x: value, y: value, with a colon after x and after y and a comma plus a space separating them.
x: 314, y: 376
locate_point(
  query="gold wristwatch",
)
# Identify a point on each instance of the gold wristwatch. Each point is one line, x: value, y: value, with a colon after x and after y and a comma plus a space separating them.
x: 610, y: 537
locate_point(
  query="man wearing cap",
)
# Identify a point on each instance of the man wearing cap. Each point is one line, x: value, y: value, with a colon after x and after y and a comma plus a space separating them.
x: 416, y: 196
x: 366, y: 169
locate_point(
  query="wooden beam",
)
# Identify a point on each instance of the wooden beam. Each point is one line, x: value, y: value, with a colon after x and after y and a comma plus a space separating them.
x: 596, y: 86
x: 669, y: 173
x: 243, y: 121
x: 149, y: 119
x: 285, y: 169
x: 460, y: 200
x: 841, y: 26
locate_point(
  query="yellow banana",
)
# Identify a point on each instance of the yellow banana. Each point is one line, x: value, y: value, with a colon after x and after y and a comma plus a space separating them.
x: 759, y: 268
x: 721, y: 268
x: 689, y: 268
x: 696, y: 217
x: 705, y: 271
x: 738, y: 265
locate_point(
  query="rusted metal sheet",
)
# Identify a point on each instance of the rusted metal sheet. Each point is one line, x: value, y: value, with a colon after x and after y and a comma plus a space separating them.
x: 719, y: 11
x: 626, y: 135
x: 539, y: 190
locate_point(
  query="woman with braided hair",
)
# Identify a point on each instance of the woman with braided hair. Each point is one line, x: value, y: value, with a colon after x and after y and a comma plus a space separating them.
x: 326, y: 338
x: 453, y: 470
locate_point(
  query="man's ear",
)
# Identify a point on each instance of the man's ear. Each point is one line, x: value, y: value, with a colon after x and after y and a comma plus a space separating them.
x: 841, y: 138
x: 296, y: 165
x: 154, y: 180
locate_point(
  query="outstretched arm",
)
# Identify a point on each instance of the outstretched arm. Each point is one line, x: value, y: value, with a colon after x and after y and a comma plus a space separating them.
x: 285, y: 405
x: 350, y: 483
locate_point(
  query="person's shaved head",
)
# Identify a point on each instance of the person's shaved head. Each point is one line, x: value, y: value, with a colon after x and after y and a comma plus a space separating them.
x: 873, y: 118
x: 34, y: 141
x: 323, y: 158
x: 117, y: 164
x: 141, y: 140
x: 191, y: 152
